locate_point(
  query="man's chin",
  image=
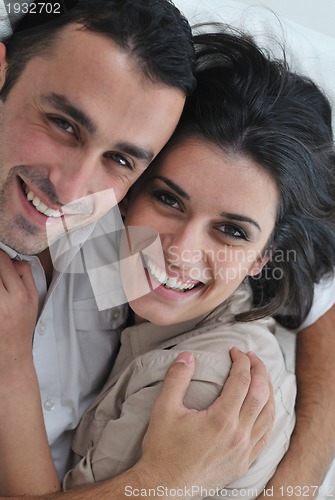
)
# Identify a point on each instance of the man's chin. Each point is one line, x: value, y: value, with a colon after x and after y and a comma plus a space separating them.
x: 26, y: 247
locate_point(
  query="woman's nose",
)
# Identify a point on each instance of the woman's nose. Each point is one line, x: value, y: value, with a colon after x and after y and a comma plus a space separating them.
x: 187, y: 246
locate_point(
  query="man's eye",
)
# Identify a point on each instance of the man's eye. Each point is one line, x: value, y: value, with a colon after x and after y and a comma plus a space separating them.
x: 63, y: 124
x: 233, y: 232
x: 167, y: 199
x: 120, y: 160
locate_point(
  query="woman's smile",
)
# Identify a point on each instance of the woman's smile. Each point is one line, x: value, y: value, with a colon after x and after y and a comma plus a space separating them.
x: 213, y: 230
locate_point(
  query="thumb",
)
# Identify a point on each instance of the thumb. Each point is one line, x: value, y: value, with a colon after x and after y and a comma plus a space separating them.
x: 176, y: 382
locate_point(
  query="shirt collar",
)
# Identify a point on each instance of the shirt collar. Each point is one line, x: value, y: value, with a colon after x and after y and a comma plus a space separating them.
x: 146, y: 336
x: 13, y: 254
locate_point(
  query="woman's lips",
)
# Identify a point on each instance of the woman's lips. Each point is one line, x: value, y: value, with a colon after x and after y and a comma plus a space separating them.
x: 176, y: 283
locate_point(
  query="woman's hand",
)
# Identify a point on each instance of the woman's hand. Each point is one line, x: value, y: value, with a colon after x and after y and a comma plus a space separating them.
x: 18, y: 313
x: 26, y: 462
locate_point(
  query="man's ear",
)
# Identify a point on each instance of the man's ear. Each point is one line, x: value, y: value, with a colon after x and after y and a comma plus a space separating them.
x: 3, y: 64
x: 259, y: 264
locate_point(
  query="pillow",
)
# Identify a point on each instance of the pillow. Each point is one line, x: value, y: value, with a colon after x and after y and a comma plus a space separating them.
x: 309, y: 51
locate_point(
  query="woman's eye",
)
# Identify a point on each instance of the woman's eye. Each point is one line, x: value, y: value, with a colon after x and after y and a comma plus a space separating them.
x: 120, y: 160
x: 63, y: 124
x: 233, y: 232
x: 167, y: 199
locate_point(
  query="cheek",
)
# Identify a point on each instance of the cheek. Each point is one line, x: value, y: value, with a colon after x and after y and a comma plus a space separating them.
x: 231, y: 267
x: 139, y: 212
x: 31, y: 146
x: 120, y: 186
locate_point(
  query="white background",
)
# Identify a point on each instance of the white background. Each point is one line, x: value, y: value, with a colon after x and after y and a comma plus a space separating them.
x: 305, y: 27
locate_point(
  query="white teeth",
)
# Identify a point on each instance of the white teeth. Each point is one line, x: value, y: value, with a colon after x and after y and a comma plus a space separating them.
x: 49, y: 212
x: 162, y: 277
x: 172, y: 282
x: 41, y: 207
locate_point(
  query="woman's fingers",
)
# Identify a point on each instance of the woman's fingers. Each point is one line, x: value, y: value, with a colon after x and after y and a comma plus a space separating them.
x: 9, y: 278
x: 23, y: 271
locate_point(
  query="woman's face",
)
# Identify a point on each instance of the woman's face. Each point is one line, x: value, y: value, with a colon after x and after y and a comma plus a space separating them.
x: 214, y: 213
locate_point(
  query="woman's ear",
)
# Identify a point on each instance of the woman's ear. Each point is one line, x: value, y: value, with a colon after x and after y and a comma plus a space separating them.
x: 3, y: 64
x: 259, y: 264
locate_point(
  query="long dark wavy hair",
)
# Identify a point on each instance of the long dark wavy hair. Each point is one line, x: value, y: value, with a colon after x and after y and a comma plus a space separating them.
x: 248, y: 103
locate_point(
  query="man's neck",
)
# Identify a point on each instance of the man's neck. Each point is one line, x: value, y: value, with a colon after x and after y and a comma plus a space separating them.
x: 45, y: 259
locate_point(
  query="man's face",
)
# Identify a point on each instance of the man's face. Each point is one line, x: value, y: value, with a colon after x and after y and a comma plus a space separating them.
x: 81, y: 121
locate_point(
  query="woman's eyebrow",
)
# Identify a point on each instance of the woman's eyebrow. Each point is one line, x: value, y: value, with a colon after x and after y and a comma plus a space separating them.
x: 226, y: 215
x: 240, y: 218
x: 173, y: 186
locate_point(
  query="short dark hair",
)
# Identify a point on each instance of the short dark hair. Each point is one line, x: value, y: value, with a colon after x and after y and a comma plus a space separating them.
x: 153, y: 32
x: 247, y: 103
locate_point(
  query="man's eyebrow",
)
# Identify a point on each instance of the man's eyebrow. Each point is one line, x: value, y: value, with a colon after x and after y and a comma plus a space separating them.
x: 173, y: 186
x: 137, y: 152
x: 240, y: 218
x: 63, y: 104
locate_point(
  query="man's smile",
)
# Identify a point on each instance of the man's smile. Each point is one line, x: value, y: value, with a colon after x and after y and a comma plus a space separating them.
x: 39, y: 205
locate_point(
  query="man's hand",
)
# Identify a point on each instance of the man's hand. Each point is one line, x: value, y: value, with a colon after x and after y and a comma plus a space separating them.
x: 312, y: 445
x: 214, y: 446
x: 18, y: 313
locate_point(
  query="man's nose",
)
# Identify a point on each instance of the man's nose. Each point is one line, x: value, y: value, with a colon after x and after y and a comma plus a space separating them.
x: 77, y: 176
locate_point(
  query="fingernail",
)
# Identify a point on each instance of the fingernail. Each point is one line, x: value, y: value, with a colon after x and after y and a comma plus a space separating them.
x: 184, y: 357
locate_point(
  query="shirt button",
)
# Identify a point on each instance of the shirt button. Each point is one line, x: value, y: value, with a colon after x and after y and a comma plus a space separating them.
x: 42, y: 328
x: 115, y: 315
x: 49, y: 404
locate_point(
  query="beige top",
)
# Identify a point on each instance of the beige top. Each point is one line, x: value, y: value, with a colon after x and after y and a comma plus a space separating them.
x: 108, y: 440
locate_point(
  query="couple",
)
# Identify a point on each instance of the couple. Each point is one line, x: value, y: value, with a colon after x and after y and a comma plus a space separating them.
x: 281, y: 214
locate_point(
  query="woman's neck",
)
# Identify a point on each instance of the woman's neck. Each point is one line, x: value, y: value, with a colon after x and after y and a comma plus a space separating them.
x: 138, y: 320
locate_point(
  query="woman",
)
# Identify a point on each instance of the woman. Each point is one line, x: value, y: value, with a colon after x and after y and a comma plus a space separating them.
x: 243, y: 197
x: 244, y: 191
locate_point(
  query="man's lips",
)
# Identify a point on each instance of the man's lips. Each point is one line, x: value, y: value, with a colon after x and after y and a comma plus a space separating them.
x: 75, y: 208
x: 39, y: 205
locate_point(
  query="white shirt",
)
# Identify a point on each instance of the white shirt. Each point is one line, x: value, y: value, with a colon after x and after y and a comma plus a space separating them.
x: 324, y: 299
x: 75, y: 343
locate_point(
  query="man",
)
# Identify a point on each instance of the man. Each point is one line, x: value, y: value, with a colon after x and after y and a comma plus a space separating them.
x: 87, y: 101
x: 58, y: 144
